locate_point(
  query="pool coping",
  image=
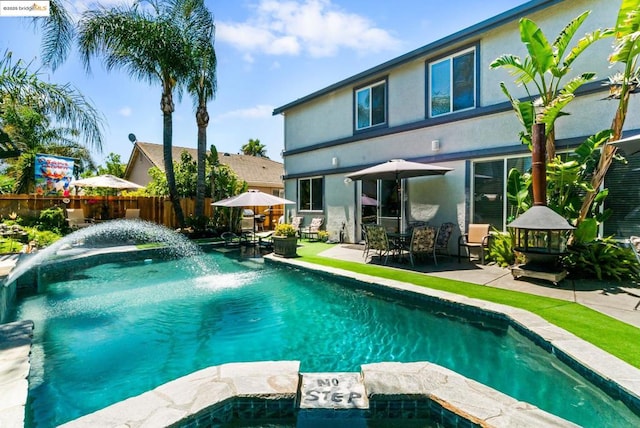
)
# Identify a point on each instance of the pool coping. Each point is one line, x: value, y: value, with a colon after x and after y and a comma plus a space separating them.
x: 217, y: 394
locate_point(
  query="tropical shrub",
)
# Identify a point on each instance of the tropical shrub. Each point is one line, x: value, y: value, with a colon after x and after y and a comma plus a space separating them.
x: 501, y: 248
x: 52, y: 219
x: 602, y: 258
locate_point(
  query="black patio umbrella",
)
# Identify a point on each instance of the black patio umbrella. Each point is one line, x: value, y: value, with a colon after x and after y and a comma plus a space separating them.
x: 630, y: 145
x: 398, y: 169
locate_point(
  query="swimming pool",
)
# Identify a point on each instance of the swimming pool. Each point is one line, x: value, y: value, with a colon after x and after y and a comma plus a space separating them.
x: 114, y: 331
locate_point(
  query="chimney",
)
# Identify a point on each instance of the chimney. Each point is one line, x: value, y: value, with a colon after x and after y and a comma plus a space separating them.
x: 538, y: 165
x: 539, y: 216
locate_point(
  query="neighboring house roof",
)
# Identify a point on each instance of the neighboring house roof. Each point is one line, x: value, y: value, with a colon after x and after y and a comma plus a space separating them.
x: 256, y: 171
x: 470, y: 32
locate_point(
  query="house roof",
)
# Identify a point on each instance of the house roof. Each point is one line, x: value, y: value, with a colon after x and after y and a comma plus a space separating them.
x: 256, y: 171
x: 466, y: 34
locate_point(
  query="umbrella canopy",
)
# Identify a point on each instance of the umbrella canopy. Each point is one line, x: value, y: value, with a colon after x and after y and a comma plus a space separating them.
x: 630, y: 145
x: 253, y: 198
x: 107, y: 181
x: 368, y: 201
x: 397, y: 169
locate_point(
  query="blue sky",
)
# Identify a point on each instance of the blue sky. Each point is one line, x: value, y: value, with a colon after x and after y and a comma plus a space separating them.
x: 270, y: 52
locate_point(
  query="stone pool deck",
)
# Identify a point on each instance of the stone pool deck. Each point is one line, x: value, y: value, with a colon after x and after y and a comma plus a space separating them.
x: 270, y: 390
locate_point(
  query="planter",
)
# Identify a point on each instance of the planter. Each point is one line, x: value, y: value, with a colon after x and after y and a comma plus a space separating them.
x: 285, y: 246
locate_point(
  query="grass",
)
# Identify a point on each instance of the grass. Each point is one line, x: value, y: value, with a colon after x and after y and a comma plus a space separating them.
x: 615, y: 337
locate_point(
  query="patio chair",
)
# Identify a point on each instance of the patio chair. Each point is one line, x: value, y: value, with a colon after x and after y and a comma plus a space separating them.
x: 312, y: 230
x: 230, y: 239
x: 377, y: 240
x: 477, y: 237
x: 444, y: 234
x: 296, y: 222
x: 132, y: 213
x: 76, y: 218
x: 423, y: 241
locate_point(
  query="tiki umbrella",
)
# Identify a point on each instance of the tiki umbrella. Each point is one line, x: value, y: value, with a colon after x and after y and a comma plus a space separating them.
x: 106, y: 181
x: 252, y: 198
x: 397, y: 169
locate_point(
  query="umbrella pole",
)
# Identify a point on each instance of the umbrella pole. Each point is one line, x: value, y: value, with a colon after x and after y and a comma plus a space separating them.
x: 400, y: 197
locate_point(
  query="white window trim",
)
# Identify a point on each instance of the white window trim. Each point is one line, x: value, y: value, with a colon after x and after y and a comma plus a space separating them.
x: 475, y: 80
x: 370, y: 87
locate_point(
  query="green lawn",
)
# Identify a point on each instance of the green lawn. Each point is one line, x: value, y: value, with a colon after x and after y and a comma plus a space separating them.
x: 609, y: 334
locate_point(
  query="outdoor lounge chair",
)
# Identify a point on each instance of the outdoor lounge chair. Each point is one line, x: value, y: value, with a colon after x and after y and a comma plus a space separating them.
x: 312, y: 230
x: 477, y: 237
x: 76, y: 219
x: 296, y: 222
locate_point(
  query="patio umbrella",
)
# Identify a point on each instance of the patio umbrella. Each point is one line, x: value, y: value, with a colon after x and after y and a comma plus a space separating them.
x: 630, y: 145
x: 368, y: 201
x: 106, y: 181
x: 252, y: 198
x: 397, y: 169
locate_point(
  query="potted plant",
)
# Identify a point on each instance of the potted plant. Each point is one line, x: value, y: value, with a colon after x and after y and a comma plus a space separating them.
x: 285, y: 241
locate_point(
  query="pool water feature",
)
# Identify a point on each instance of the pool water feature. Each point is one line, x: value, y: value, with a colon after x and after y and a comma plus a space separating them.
x: 113, y: 331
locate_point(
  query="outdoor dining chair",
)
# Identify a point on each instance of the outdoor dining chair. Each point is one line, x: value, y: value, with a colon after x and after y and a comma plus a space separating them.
x: 444, y: 235
x: 477, y: 237
x: 377, y: 240
x: 423, y: 242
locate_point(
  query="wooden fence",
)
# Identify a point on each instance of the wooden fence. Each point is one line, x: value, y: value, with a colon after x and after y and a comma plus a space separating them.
x: 154, y: 209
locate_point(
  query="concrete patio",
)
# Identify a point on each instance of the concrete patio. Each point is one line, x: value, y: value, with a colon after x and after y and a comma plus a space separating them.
x: 615, y: 299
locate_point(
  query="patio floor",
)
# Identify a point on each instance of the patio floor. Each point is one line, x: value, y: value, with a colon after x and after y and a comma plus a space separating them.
x: 611, y: 298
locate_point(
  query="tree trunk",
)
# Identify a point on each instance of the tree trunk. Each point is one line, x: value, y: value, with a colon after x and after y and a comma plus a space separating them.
x: 608, y: 153
x: 202, y: 119
x: 167, y: 135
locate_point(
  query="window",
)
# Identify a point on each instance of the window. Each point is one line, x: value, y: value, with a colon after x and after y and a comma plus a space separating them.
x: 371, y: 105
x: 452, y: 83
x: 490, y: 204
x: 311, y: 195
x: 623, y: 181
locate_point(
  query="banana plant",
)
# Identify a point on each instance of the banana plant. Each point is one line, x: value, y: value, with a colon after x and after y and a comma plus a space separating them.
x: 626, y: 50
x: 544, y: 69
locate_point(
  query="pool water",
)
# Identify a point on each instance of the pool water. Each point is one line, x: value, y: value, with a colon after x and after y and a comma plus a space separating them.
x: 110, y: 332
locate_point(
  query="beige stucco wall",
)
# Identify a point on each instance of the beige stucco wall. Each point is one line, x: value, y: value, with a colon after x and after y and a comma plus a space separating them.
x: 442, y: 199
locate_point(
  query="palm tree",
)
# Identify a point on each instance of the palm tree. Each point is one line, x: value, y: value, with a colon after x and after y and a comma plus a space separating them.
x: 201, y: 85
x: 30, y: 106
x: 152, y: 44
x: 58, y: 34
x: 254, y: 148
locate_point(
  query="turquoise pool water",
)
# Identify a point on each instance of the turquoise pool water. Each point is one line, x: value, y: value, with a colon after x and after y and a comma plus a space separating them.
x: 114, y: 331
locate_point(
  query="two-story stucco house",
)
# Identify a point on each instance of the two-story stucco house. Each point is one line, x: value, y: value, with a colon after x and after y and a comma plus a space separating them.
x: 442, y: 104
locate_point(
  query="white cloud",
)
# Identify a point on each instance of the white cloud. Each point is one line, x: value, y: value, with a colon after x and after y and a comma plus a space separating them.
x: 257, y: 112
x: 314, y: 27
x: 125, y: 111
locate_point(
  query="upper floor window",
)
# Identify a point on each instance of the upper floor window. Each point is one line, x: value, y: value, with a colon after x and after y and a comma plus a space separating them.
x: 310, y: 194
x: 371, y: 105
x: 452, y: 84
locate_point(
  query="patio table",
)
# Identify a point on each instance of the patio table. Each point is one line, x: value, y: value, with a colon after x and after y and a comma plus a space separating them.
x: 400, y: 241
